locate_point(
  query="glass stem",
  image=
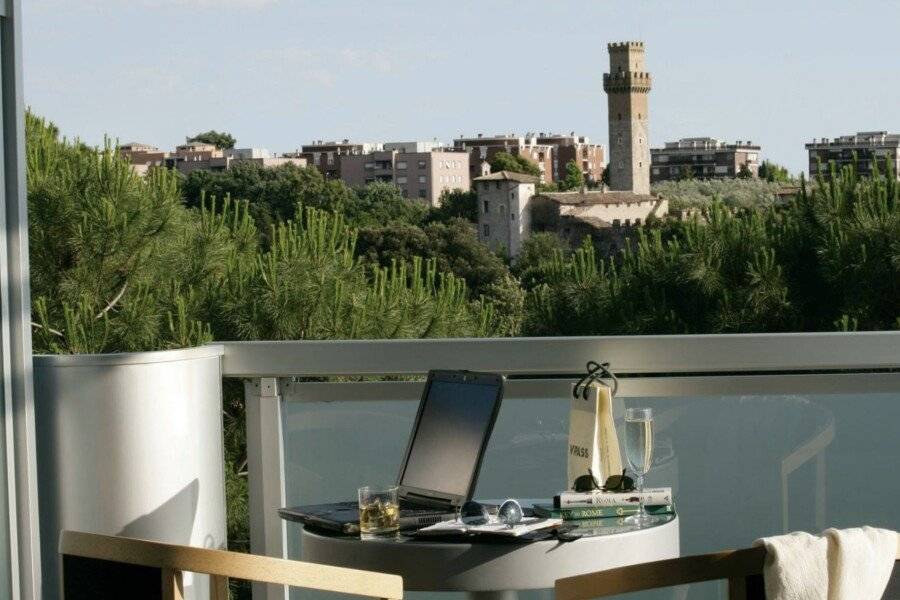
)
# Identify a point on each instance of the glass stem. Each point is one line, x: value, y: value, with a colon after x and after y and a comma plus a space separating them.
x: 640, y: 488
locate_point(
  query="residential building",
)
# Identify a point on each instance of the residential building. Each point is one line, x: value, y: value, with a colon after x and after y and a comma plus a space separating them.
x: 504, y: 215
x: 326, y: 155
x: 590, y: 157
x: 627, y: 85
x: 703, y: 158
x: 482, y: 148
x: 142, y: 156
x: 419, y: 175
x: 862, y: 149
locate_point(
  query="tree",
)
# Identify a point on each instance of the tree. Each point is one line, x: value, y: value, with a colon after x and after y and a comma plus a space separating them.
x: 686, y: 173
x: 701, y: 193
x: 220, y: 140
x: 455, y: 204
x: 744, y: 172
x: 828, y: 260
x: 574, y: 178
x: 504, y: 161
x: 774, y: 172
x: 538, y: 252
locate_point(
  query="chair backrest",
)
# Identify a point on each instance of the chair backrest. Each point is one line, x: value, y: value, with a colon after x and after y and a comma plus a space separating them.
x: 741, y: 568
x: 104, y: 567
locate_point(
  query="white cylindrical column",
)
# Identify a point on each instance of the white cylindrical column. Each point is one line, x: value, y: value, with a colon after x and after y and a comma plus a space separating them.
x: 131, y: 444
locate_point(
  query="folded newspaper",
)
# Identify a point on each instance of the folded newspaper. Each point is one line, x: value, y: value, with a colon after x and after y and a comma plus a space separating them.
x: 526, y: 526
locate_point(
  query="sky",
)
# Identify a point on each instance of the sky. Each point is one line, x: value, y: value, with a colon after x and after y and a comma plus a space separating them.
x: 280, y: 73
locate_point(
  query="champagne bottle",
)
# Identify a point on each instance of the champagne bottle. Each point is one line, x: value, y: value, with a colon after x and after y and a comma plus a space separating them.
x: 610, y: 458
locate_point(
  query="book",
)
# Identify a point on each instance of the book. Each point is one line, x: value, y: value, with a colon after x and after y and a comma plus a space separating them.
x: 527, y: 525
x: 651, y: 496
x: 573, y: 513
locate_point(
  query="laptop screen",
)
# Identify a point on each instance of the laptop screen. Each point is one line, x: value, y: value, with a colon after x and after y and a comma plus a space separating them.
x: 455, y: 419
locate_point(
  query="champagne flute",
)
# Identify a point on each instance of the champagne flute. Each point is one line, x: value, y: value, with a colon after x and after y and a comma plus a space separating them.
x: 639, y: 453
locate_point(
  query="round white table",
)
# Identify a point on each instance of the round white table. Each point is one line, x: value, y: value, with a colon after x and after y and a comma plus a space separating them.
x: 491, y: 570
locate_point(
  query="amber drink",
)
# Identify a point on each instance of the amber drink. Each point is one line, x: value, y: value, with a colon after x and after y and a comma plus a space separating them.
x: 379, y: 512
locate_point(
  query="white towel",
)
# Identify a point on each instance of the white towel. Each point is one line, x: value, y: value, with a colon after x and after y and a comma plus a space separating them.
x: 860, y: 562
x: 848, y: 564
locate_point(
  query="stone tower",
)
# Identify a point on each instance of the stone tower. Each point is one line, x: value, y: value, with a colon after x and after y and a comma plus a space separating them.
x: 627, y: 85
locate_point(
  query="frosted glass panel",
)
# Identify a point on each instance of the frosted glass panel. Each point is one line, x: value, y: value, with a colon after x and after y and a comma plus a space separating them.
x: 741, y: 466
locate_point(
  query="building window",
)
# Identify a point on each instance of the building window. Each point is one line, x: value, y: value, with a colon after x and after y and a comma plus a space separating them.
x: 401, y: 180
x: 512, y: 195
x: 486, y: 207
x: 487, y: 230
x: 512, y: 216
x: 370, y: 165
x: 497, y: 185
x: 422, y: 194
x: 401, y: 164
x: 421, y: 164
x: 421, y: 179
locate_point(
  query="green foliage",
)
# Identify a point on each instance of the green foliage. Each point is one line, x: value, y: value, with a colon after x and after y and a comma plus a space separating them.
x: 774, y: 172
x: 744, y: 172
x: 273, y: 192
x: 574, y: 178
x: 830, y: 260
x: 686, y: 173
x: 220, y: 140
x: 537, y: 254
x: 702, y: 193
x: 455, y: 204
x: 504, y: 161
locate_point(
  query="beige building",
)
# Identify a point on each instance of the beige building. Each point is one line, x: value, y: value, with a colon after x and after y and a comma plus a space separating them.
x: 627, y: 85
x: 199, y: 156
x: 482, y: 148
x: 862, y: 149
x: 703, y: 158
x: 142, y: 156
x: 421, y: 175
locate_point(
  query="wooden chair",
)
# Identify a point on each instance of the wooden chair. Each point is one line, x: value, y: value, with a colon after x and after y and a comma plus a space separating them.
x: 102, y: 567
x: 742, y: 568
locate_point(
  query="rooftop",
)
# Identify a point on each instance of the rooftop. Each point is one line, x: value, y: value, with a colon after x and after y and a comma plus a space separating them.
x: 508, y: 176
x: 591, y: 198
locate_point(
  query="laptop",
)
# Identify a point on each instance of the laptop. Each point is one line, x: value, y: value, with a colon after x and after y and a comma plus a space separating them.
x: 440, y: 467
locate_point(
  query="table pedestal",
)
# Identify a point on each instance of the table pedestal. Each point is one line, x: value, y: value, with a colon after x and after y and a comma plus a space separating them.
x: 488, y: 569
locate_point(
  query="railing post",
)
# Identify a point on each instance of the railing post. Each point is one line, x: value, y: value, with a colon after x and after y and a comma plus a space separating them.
x: 265, y: 466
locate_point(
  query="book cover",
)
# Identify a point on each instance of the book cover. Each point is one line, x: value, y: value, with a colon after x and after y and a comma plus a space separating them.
x: 651, y: 496
x: 597, y: 512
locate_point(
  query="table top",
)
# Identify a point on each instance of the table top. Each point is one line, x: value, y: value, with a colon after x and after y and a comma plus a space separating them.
x: 476, y: 566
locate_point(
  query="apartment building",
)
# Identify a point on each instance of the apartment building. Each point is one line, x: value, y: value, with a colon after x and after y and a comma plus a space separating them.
x: 142, y: 156
x: 326, y: 155
x: 482, y: 148
x: 589, y: 157
x: 863, y: 149
x: 703, y: 158
x: 420, y: 175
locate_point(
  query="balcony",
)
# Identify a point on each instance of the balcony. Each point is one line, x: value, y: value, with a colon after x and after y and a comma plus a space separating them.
x: 757, y: 434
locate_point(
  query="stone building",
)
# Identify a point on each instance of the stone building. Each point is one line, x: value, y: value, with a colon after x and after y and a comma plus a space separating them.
x: 504, y: 215
x: 510, y: 209
x: 703, y: 158
x: 627, y: 85
x: 862, y: 149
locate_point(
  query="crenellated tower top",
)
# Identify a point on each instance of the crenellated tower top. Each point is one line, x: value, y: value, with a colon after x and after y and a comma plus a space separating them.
x: 627, y: 86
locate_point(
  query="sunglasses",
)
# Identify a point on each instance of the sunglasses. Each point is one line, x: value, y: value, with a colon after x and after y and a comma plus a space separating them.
x: 615, y: 483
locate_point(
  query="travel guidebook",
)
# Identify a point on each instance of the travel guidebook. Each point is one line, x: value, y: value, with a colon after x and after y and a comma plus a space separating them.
x: 598, y: 512
x: 651, y: 496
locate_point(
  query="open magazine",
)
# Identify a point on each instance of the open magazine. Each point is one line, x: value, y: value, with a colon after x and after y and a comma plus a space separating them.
x: 526, y: 526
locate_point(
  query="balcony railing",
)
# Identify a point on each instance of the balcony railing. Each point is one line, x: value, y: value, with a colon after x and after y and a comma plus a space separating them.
x: 758, y: 434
